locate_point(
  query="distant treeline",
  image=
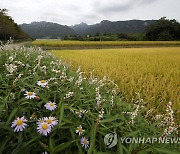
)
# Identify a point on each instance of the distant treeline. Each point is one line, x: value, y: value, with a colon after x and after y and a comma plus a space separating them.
x: 9, y: 29
x: 161, y: 30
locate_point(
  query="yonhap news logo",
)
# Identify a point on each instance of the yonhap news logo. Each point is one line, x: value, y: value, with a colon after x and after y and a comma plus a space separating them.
x: 150, y: 140
x: 110, y: 140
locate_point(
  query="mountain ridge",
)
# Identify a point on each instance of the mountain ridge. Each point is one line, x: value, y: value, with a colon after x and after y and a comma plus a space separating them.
x: 45, y: 29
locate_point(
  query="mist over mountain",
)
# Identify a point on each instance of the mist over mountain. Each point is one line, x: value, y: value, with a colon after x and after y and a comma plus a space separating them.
x: 45, y: 29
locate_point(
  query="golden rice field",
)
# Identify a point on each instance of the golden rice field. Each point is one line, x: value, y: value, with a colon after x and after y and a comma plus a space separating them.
x: 90, y: 44
x: 152, y: 72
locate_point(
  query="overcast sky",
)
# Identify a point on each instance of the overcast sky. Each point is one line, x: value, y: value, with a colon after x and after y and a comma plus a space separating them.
x: 70, y: 12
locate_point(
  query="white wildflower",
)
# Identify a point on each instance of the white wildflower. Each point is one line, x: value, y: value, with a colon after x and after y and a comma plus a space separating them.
x: 42, y: 83
x: 79, y: 130
x: 30, y: 95
x: 84, y: 142
x: 50, y: 106
x: 44, y: 128
x: 19, y: 124
x: 51, y: 121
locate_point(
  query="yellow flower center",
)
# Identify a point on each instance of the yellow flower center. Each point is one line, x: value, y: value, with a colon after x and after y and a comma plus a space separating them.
x: 19, y: 122
x: 44, y: 126
x: 85, y: 141
x: 42, y: 81
x: 80, y: 129
x: 30, y: 93
x: 51, y: 104
x: 49, y: 121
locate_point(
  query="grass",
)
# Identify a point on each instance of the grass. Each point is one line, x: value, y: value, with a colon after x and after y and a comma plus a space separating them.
x: 94, y: 104
x: 152, y: 72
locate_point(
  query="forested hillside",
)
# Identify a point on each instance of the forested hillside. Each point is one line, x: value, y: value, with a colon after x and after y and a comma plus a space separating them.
x: 113, y: 27
x: 163, y: 30
x: 8, y: 28
x: 47, y: 30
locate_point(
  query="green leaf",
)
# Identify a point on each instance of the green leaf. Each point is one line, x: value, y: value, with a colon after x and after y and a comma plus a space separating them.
x: 61, y: 111
x: 119, y: 148
x: 11, y: 116
x: 166, y: 151
x: 51, y: 143
x: 109, y: 119
x: 72, y: 133
x: 62, y: 146
x: 1, y: 107
x: 125, y: 149
x: 92, y: 138
x: 3, y: 143
x: 24, y: 146
x: 79, y: 147
x: 132, y: 133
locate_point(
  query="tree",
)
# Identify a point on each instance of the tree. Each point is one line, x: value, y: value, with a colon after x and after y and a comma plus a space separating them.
x: 8, y: 28
x: 163, y: 30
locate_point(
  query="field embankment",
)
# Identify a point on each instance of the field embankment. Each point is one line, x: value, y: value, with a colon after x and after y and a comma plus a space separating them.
x: 58, y: 44
x: 151, y: 72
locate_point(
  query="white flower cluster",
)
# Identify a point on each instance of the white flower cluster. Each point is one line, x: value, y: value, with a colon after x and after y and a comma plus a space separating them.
x: 51, y: 79
x: 56, y: 71
x: 43, y: 69
x: 78, y: 70
x: 70, y: 79
x: 19, y: 63
x: 80, y: 112
x: 133, y: 114
x: 112, y: 101
x: 11, y: 58
x: 172, y: 126
x: 78, y: 83
x: 102, y: 82
x: 38, y: 64
x: 98, y: 97
x: 92, y: 80
x: 16, y: 79
x: 11, y: 68
x: 63, y: 76
x: 100, y: 116
x: 148, y: 113
x: 69, y: 94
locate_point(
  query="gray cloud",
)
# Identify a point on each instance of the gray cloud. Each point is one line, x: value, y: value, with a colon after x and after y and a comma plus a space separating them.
x: 105, y: 7
x: 90, y: 11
